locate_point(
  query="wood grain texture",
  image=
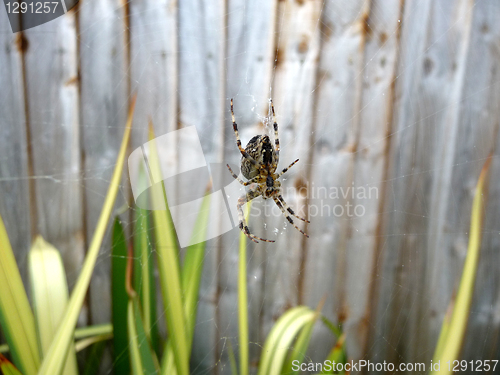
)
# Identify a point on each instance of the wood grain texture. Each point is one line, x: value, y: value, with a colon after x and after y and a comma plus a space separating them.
x: 249, y: 65
x: 14, y: 174
x: 202, y: 104
x: 477, y: 136
x: 394, y: 291
x: 298, y: 37
x: 153, y: 66
x: 53, y: 106
x: 375, y: 119
x: 433, y: 176
x: 336, y: 133
x: 104, y: 106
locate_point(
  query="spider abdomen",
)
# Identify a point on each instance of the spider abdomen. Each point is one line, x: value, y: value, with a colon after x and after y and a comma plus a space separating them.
x: 261, y: 150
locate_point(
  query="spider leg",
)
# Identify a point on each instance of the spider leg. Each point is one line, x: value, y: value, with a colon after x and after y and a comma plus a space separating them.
x: 280, y: 197
x: 290, y: 220
x: 238, y: 141
x: 286, y: 169
x: 276, y: 137
x: 239, y: 179
x: 241, y: 216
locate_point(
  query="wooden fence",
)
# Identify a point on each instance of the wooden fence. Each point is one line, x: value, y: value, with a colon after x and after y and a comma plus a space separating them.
x: 397, y: 95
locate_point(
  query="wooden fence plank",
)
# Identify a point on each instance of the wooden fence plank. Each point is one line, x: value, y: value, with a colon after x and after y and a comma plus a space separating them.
x: 52, y: 95
x: 249, y: 63
x: 153, y: 66
x: 416, y: 20
x: 104, y: 106
x: 202, y: 104
x: 428, y: 181
x: 298, y: 49
x: 337, y: 112
x: 154, y: 77
x: 477, y: 136
x: 14, y: 174
x: 375, y: 116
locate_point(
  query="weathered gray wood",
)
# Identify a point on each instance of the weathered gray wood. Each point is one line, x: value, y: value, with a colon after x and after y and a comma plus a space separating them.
x: 153, y: 66
x: 432, y: 179
x: 417, y: 17
x: 154, y: 76
x: 201, y: 29
x: 14, y: 175
x: 249, y: 62
x: 336, y: 132
x: 375, y: 108
x: 298, y: 50
x: 104, y: 107
x: 477, y: 136
x: 52, y: 95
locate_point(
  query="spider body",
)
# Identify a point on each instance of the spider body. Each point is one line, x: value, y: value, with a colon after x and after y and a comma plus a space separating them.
x: 259, y: 162
x: 260, y: 149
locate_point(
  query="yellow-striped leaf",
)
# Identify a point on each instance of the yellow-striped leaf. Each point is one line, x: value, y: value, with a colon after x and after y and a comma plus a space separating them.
x: 191, y: 277
x: 49, y: 293
x: 281, y: 337
x: 168, y: 266
x: 142, y: 357
x: 16, y: 317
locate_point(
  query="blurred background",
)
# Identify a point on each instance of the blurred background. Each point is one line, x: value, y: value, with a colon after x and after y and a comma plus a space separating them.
x: 401, y: 96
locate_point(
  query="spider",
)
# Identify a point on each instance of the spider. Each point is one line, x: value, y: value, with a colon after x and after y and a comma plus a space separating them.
x: 258, y: 165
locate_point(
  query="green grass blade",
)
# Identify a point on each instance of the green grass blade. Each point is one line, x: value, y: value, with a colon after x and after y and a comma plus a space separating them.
x: 232, y: 358
x: 337, y: 355
x: 191, y: 278
x: 97, y: 333
x: 98, y: 329
x: 337, y: 331
x: 281, y: 337
x: 49, y: 293
x: 444, y: 332
x: 53, y: 363
x: 193, y: 266
x: 94, y: 358
x: 168, y: 266
x: 144, y: 280
x: 85, y: 343
x: 142, y: 356
x: 135, y: 353
x: 449, y: 347
x: 119, y: 299
x: 243, y: 300
x: 16, y: 317
x: 7, y: 368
